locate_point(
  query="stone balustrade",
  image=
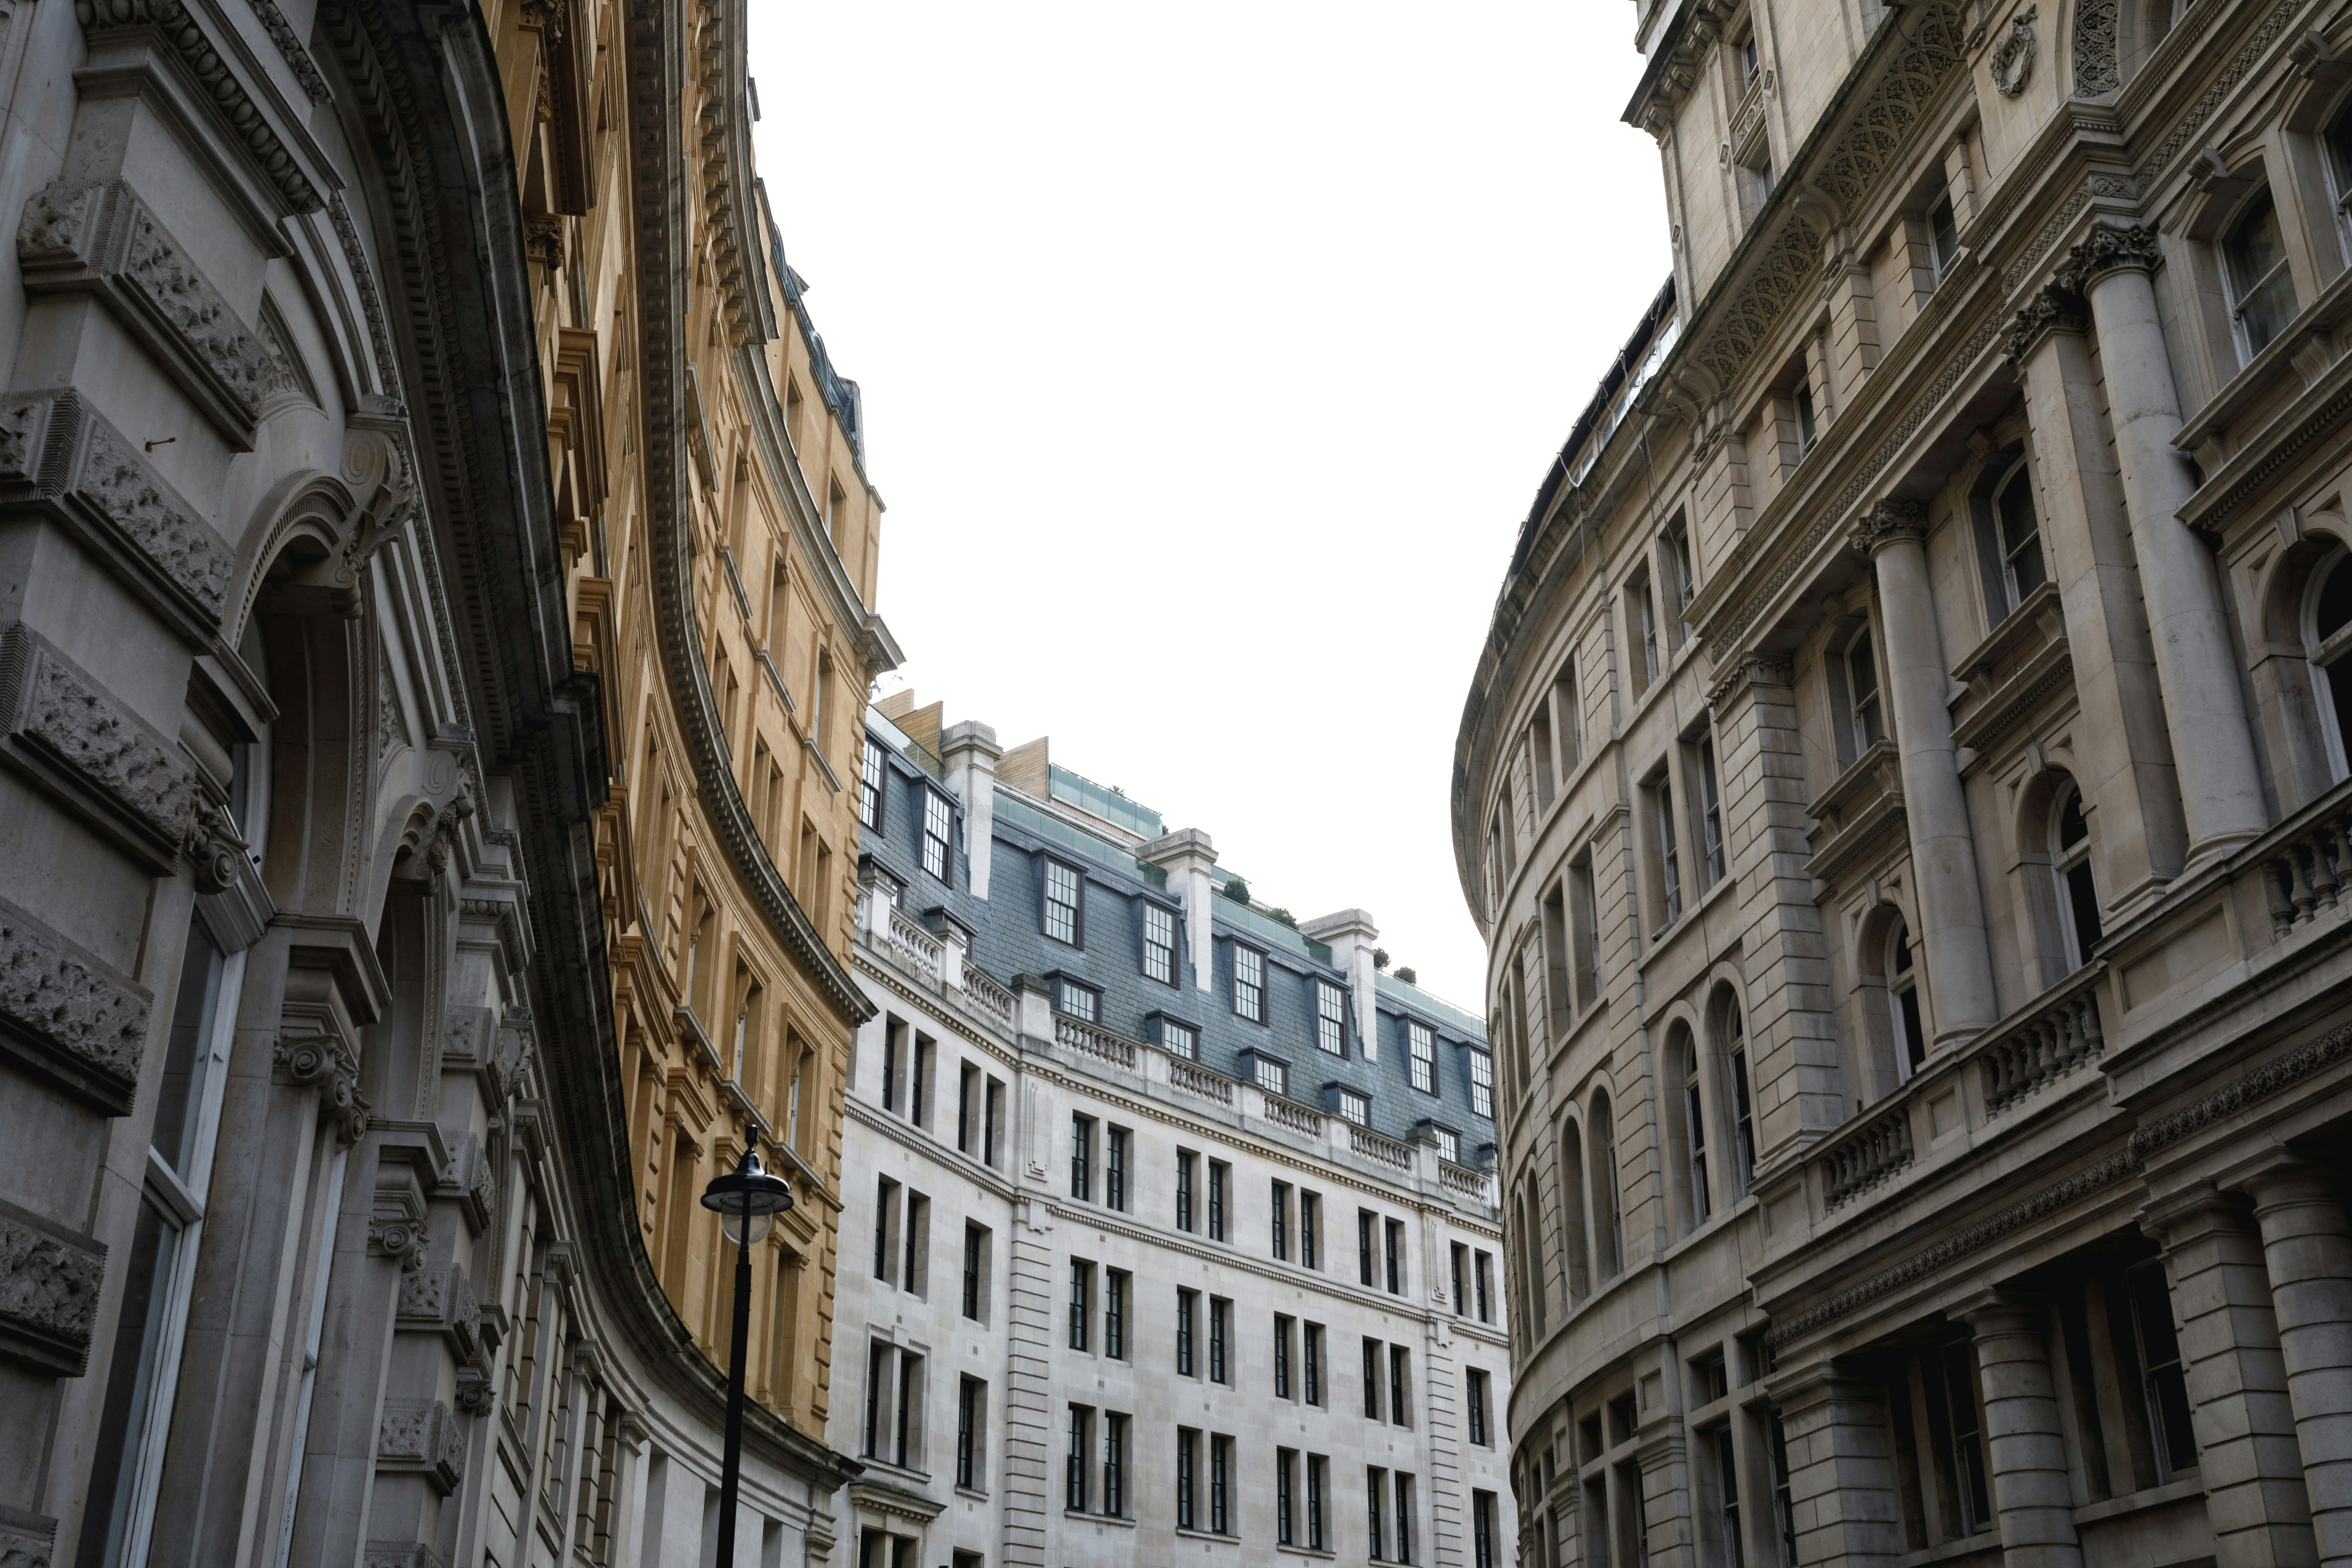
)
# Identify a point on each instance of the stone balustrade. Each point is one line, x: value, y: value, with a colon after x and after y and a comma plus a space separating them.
x: 2047, y: 1044
x: 2308, y: 861
x: 1871, y: 1154
x: 1093, y: 1039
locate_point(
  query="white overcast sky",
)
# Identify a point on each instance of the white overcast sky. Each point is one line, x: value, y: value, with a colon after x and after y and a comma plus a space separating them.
x: 1212, y: 354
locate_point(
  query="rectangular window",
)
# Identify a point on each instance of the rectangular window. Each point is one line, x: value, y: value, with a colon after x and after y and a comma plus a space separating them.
x: 1282, y: 1327
x: 1188, y: 1460
x: 1710, y: 805
x: 1272, y: 1076
x: 869, y: 788
x: 1249, y: 984
x: 1221, y: 1485
x: 1404, y: 1531
x: 975, y: 1245
x: 1286, y: 1480
x: 886, y: 1229
x: 1399, y: 1381
x: 1461, y: 1264
x: 1082, y: 1003
x: 1221, y: 1322
x: 1179, y: 1039
x: 1376, y: 1484
x: 918, y: 1277
x: 939, y: 832
x: 993, y: 1121
x: 1482, y: 1085
x: 1449, y: 1144
x: 1371, y: 1380
x: 1366, y: 1227
x: 909, y: 1434
x: 1115, y: 1289
x: 1082, y: 1158
x: 877, y: 1385
x: 1158, y: 944
x: 1423, y: 1048
x: 1280, y: 1211
x: 1061, y: 902
x: 1114, y: 1487
x: 1726, y: 1492
x: 1081, y: 1301
x: 1115, y: 1169
x: 1784, y: 1498
x: 1482, y: 1531
x: 1311, y: 1362
x: 972, y: 1423
x: 1218, y: 1173
x: 1486, y: 1298
x: 1395, y: 1254
x: 1330, y: 1019
x: 918, y: 1086
x: 1188, y: 1306
x: 1082, y: 1446
x: 1310, y: 1215
x: 967, y: 1079
x: 1319, y: 1487
x: 1186, y: 1162
x: 2163, y: 1384
x: 1670, y: 875
x: 1355, y: 1108
x: 893, y: 1033
x: 1477, y: 1401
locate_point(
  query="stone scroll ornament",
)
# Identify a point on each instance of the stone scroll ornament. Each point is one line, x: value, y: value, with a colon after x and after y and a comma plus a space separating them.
x: 2013, y: 57
x: 324, y: 1060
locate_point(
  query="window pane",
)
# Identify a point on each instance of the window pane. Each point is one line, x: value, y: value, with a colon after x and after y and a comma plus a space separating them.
x: 1424, y: 1058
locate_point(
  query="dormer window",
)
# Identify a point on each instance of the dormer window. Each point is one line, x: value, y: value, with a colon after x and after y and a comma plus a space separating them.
x: 1330, y: 1018
x: 1158, y: 943
x: 1353, y: 1107
x: 869, y: 788
x: 1061, y: 910
x: 1249, y: 982
x: 939, y: 832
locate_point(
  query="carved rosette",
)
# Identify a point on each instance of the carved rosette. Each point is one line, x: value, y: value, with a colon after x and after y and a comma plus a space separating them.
x: 1891, y: 522
x: 325, y: 1061
x: 2109, y: 248
x: 2054, y: 308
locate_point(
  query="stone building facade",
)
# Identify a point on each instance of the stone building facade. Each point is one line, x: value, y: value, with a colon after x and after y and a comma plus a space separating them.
x: 1905, y: 791
x: 1170, y: 1231
x: 399, y: 399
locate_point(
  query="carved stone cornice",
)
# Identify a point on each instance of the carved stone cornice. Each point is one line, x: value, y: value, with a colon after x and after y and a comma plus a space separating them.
x: 1890, y: 521
x: 2053, y: 308
x: 49, y: 1282
x: 2110, y: 247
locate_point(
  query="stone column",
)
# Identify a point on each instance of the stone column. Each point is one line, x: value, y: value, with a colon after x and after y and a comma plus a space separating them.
x: 1893, y: 534
x: 1841, y: 1476
x: 2221, y: 794
x: 2307, y: 1248
x: 2126, y: 767
x: 2033, y: 1492
x: 2247, y: 1456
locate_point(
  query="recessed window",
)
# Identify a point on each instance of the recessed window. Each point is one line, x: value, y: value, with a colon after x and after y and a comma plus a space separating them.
x: 1421, y: 1047
x: 1062, y: 902
x: 869, y: 788
x: 1903, y: 999
x: 2262, y: 292
x: 1449, y: 1144
x: 1271, y: 1076
x: 2020, y: 534
x: 1355, y: 1108
x: 2070, y: 857
x: 1943, y: 238
x: 939, y: 832
x: 1082, y: 1003
x: 1482, y: 1085
x: 1750, y: 67
x: 1330, y: 1018
x: 1865, y: 710
x: 1249, y: 982
x: 2327, y: 613
x: 1808, y: 427
x: 1179, y: 1039
x: 1710, y: 816
x: 1160, y: 944
x: 1670, y: 868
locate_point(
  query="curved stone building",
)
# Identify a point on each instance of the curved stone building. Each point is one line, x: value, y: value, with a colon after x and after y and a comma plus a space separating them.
x: 433, y: 633
x: 1905, y: 790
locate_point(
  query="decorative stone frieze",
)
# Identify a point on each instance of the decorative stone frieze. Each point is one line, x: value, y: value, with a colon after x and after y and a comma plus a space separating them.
x: 422, y: 1436
x: 49, y: 1287
x: 324, y: 1060
x: 60, y: 456
x: 102, y: 239
x: 68, y: 1016
x: 1886, y: 522
x: 1754, y: 669
x: 511, y: 1049
x: 2053, y: 308
x: 290, y: 46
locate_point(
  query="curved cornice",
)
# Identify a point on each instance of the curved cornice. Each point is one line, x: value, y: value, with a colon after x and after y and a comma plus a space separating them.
x: 657, y: 92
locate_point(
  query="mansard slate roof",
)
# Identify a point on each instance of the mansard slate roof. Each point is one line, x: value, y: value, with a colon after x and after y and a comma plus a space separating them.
x: 1008, y: 938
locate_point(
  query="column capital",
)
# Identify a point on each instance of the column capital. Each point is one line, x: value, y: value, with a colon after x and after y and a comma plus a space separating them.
x: 2289, y: 1181
x: 2053, y: 308
x: 2110, y: 247
x: 1889, y: 522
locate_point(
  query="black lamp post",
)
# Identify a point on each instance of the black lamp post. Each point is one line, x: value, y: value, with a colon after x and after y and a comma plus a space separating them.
x: 747, y: 1200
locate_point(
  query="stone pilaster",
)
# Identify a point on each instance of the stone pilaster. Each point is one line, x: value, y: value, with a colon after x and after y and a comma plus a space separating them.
x: 2125, y: 769
x: 2221, y: 792
x: 1853, y: 348
x: 1893, y: 534
x: 2033, y: 1492
x: 1841, y: 1475
x: 1028, y: 1461
x: 2247, y: 1456
x: 2307, y: 1250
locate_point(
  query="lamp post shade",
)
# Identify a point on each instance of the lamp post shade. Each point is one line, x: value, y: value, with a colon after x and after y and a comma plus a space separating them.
x: 747, y: 1199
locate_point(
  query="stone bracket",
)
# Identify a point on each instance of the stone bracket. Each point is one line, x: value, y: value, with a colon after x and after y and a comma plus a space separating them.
x: 49, y: 1284
x: 68, y: 1016
x: 421, y: 1436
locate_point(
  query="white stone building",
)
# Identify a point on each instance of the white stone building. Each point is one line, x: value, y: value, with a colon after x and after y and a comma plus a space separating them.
x: 1169, y: 1231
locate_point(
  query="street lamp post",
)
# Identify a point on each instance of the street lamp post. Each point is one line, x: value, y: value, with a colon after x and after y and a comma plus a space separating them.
x: 747, y: 1200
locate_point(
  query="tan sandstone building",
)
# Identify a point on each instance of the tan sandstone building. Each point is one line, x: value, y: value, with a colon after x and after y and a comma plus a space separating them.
x: 1905, y: 790
x: 436, y: 571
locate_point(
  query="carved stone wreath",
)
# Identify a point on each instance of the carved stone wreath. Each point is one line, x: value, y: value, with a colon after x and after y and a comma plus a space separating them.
x: 2012, y: 58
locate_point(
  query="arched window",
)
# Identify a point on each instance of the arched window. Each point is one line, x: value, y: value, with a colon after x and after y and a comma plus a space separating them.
x: 2326, y: 639
x: 2254, y: 262
x: 1733, y: 1032
x: 1572, y: 1211
x: 1605, y: 1192
x: 2070, y: 857
x: 1686, y: 1130
x: 2018, y: 534
x: 1865, y: 712
x: 1903, y: 999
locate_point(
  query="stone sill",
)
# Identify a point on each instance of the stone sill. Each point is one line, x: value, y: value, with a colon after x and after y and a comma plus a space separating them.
x: 1305, y: 1551
x: 1076, y: 1518
x: 2176, y: 1491
x: 1209, y: 1535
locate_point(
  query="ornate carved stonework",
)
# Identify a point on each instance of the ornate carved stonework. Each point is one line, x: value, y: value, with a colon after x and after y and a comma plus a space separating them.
x: 61, y: 725
x: 65, y: 1013
x: 325, y: 1060
x: 2110, y: 248
x: 297, y: 58
x: 26, y: 1539
x: 398, y: 1237
x: 2095, y: 72
x: 102, y: 239
x: 419, y: 1434
x: 2052, y: 308
x: 1888, y: 523
x: 49, y: 1283
x: 2013, y: 57
x: 441, y: 1301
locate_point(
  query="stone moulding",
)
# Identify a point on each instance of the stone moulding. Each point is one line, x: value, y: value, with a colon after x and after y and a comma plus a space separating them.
x: 102, y: 239
x: 60, y: 457
x: 49, y: 1281
x: 422, y: 1436
x: 68, y: 1016
x: 2274, y: 1077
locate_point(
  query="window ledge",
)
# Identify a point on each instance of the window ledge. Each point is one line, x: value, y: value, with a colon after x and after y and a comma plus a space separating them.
x: 972, y: 1492
x: 1665, y: 935
x: 1305, y: 1551
x: 1119, y: 1519
x: 2175, y: 1490
x: 1188, y: 1534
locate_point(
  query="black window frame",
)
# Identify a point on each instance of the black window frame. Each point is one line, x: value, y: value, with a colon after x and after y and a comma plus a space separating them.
x: 1329, y: 994
x: 1173, y: 949
x: 872, y: 773
x: 1420, y: 1063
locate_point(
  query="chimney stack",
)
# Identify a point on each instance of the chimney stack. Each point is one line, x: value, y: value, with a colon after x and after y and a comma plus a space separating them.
x: 970, y: 753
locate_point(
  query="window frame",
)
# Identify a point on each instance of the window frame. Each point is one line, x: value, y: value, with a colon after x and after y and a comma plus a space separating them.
x: 1047, y: 904
x: 2076, y: 881
x: 1352, y: 1106
x: 872, y: 774
x: 1153, y: 909
x: 1256, y: 1012
x: 1420, y: 1055
x: 939, y: 810
x: 1330, y: 1019
x: 1482, y: 1082
x: 2240, y: 294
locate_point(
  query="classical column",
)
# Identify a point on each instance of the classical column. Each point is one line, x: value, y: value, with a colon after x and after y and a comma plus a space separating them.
x: 2125, y: 763
x: 2307, y: 1247
x: 2213, y: 746
x: 1841, y: 1474
x: 2247, y: 1456
x: 1893, y: 534
x: 2031, y: 1491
